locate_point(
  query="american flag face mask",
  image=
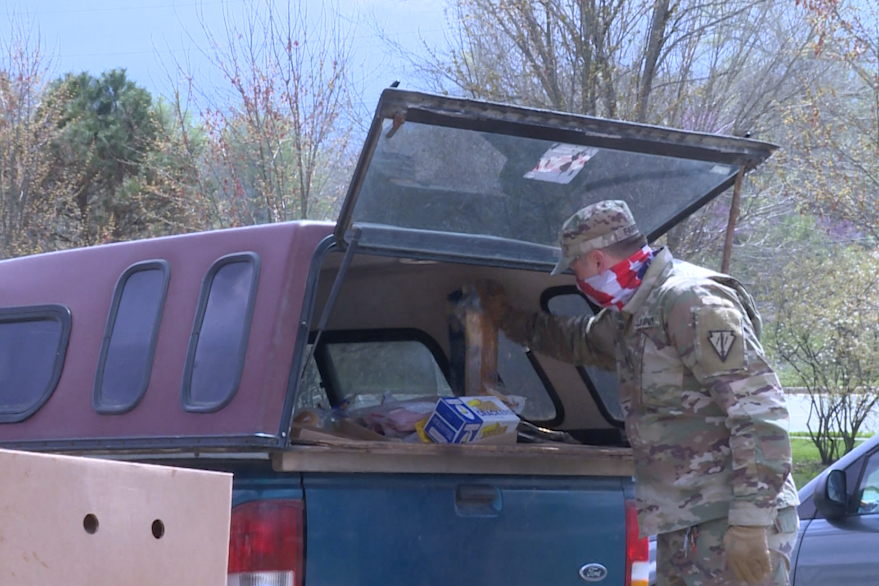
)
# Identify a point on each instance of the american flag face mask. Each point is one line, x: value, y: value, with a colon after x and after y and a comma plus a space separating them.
x: 614, y: 287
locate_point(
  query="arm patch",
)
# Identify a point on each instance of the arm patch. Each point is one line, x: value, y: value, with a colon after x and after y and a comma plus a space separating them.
x: 720, y: 343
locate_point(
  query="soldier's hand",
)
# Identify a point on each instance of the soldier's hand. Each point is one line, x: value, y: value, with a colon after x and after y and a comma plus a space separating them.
x: 494, y: 300
x: 747, y: 552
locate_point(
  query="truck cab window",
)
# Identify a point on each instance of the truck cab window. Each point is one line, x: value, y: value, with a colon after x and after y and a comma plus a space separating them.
x: 366, y: 372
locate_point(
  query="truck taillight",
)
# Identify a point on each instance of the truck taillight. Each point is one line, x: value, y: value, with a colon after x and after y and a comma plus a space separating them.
x: 637, y: 550
x: 266, y: 544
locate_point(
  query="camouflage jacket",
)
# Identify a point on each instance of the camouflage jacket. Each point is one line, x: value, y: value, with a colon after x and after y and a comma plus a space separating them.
x: 704, y: 412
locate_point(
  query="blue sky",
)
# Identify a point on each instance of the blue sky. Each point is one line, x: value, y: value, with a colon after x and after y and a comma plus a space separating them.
x: 139, y: 35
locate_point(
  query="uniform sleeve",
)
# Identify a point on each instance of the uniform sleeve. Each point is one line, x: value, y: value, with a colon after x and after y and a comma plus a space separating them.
x: 717, y: 342
x: 583, y: 341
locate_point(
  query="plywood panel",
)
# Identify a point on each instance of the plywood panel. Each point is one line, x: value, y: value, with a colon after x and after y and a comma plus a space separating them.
x: 89, y: 522
x: 395, y: 457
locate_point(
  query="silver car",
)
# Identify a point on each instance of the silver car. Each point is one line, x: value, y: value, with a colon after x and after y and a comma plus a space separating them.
x: 839, y: 523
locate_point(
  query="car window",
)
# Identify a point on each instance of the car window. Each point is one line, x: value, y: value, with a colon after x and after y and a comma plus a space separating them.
x: 868, y: 491
x: 519, y: 373
x: 602, y: 384
x: 374, y: 371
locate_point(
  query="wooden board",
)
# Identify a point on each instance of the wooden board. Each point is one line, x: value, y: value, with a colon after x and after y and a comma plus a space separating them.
x: 346, y: 432
x: 388, y: 457
x: 88, y: 522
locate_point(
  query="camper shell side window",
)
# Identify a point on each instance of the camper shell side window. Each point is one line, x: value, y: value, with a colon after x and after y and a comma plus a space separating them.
x: 129, y: 344
x: 215, y: 358
x: 33, y: 345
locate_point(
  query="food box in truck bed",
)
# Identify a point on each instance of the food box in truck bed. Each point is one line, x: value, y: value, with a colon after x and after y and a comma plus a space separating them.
x: 471, y: 419
x: 89, y: 522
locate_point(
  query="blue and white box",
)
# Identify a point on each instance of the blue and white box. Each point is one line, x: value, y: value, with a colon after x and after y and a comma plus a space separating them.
x: 467, y: 419
x: 452, y: 422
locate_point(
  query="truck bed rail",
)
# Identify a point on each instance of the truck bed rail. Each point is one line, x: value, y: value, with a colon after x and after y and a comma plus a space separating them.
x: 380, y: 457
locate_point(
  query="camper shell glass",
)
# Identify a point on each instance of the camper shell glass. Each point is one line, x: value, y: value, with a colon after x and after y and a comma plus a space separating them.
x: 475, y: 181
x: 33, y: 345
x: 129, y: 345
x: 215, y: 359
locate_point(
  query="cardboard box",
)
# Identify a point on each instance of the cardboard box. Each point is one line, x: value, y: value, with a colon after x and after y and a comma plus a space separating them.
x: 472, y: 419
x: 90, y: 522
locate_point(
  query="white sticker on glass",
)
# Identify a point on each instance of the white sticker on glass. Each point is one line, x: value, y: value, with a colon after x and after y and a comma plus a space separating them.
x: 561, y: 163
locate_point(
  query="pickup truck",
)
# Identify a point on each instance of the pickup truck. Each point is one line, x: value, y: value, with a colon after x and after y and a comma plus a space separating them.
x: 201, y: 350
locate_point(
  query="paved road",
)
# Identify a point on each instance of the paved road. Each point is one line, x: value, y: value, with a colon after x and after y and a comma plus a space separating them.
x: 798, y: 405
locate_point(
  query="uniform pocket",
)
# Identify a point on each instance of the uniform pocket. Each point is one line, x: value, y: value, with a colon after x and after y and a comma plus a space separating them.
x: 660, y: 369
x: 787, y: 520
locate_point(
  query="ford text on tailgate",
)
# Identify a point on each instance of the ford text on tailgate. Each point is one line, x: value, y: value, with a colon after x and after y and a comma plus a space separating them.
x: 314, y: 361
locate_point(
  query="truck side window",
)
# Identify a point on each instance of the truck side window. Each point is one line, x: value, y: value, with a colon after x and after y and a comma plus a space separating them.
x: 33, y: 344
x: 602, y: 384
x: 219, y: 336
x: 126, y: 357
x: 868, y: 492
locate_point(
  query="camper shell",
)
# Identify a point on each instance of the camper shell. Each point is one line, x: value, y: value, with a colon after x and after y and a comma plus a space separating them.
x: 446, y: 192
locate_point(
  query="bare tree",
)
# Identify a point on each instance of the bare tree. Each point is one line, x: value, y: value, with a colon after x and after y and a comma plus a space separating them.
x: 30, y: 192
x: 276, y: 139
x: 706, y: 65
x: 703, y: 65
x: 834, y: 155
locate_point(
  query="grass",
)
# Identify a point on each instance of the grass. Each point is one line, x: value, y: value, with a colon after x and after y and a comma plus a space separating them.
x: 805, y: 434
x: 807, y: 462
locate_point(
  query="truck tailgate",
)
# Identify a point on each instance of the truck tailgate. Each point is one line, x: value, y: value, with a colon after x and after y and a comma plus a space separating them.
x: 365, y: 529
x: 378, y: 514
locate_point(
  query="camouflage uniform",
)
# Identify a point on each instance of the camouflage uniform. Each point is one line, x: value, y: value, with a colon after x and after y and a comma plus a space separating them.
x: 704, y: 412
x: 694, y: 556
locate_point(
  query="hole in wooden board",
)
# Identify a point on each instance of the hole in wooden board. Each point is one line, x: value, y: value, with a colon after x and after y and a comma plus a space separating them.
x: 158, y: 529
x: 90, y: 524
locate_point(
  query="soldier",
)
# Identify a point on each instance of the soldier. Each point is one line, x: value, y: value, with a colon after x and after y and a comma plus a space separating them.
x: 705, y: 413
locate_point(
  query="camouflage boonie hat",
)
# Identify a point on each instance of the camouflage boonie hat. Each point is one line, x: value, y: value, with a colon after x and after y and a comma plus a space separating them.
x: 596, y: 226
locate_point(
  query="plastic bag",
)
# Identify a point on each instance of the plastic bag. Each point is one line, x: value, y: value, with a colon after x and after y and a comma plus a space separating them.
x: 396, y: 419
x: 516, y: 403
